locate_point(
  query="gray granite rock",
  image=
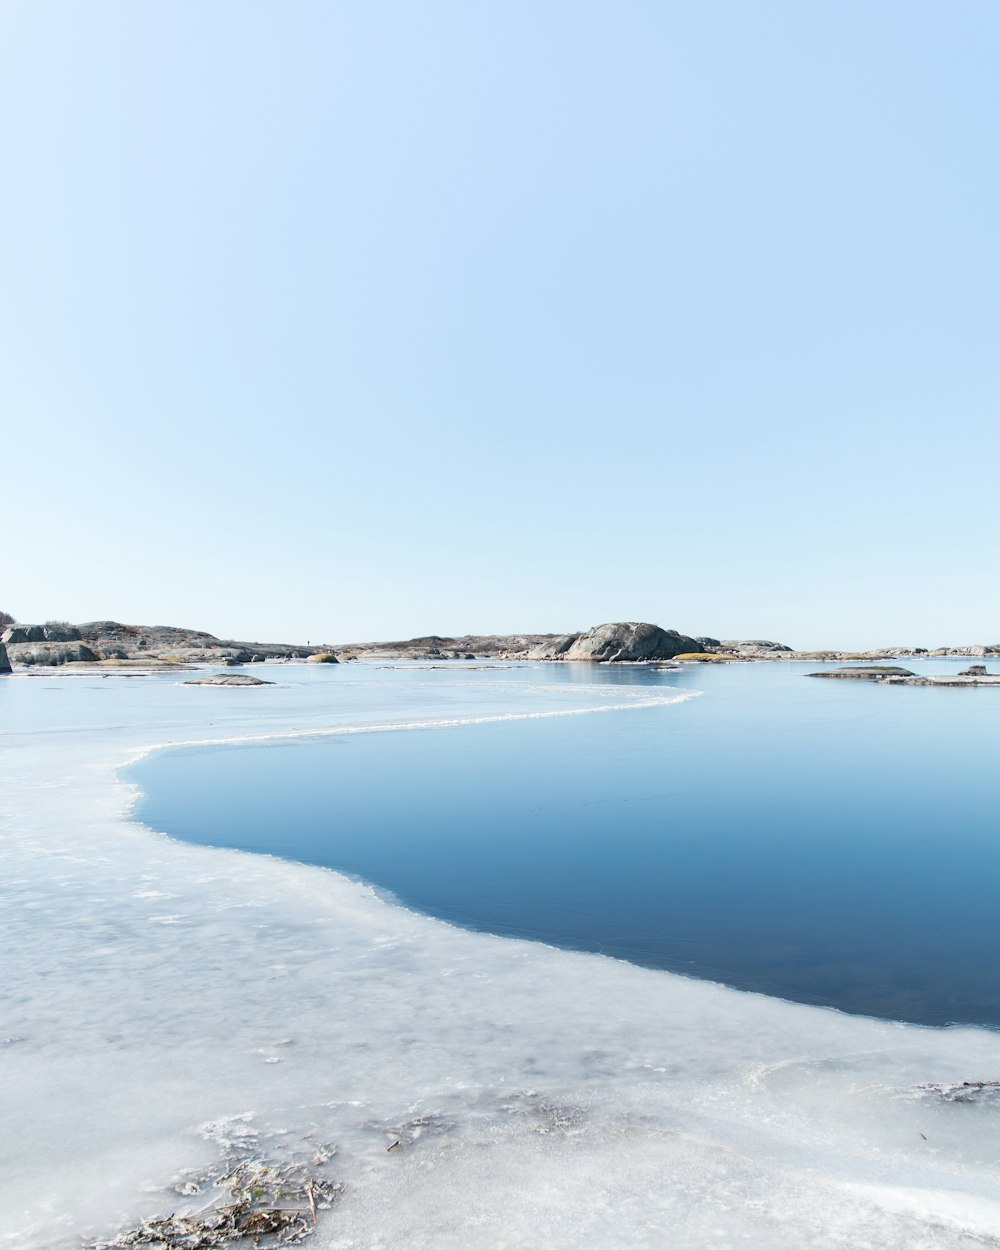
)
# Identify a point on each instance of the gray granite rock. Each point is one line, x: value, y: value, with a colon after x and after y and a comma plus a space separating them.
x: 60, y: 631
x: 54, y: 631
x: 629, y: 640
x: 754, y: 644
x: 981, y: 649
x: 891, y: 675
x: 23, y: 633
x: 553, y: 648
x: 113, y: 653
x: 870, y: 672
x: 50, y: 654
x: 228, y: 679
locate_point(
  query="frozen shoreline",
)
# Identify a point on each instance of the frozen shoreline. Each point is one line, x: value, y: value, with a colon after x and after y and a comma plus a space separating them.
x: 154, y: 987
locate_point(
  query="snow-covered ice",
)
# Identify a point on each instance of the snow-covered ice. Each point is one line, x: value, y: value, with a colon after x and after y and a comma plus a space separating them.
x: 164, y: 1003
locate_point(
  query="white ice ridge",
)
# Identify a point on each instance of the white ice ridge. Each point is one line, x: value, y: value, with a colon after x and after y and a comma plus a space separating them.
x: 439, y: 722
x: 163, y: 1003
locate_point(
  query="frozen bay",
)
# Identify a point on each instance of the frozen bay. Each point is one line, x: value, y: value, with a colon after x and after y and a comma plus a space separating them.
x: 833, y: 846
x: 166, y: 1001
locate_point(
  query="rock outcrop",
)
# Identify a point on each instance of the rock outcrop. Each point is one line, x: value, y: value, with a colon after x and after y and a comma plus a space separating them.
x: 754, y: 647
x: 629, y: 641
x: 870, y: 672
x: 4, y: 659
x: 61, y: 631
x: 890, y: 675
x: 172, y: 643
x: 436, y: 647
x: 23, y: 633
x: 322, y: 657
x: 228, y: 679
x: 981, y: 649
x: 138, y: 645
x: 553, y: 648
x: 50, y: 654
x: 54, y: 631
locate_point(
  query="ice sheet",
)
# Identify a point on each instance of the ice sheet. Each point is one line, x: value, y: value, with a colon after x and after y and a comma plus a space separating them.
x: 166, y: 1004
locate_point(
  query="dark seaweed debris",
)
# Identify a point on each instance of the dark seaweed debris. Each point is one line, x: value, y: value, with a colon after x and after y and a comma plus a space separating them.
x: 967, y: 1091
x: 263, y: 1205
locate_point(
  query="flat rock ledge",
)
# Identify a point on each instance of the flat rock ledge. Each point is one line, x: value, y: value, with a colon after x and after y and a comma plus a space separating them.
x: 228, y: 679
x: 870, y: 672
x: 891, y: 675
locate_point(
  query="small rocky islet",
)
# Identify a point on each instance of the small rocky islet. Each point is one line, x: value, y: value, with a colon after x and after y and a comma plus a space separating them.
x: 228, y: 679
x: 891, y: 675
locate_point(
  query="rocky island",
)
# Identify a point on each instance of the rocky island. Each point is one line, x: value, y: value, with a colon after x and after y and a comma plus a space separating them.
x: 890, y: 675
x: 228, y: 679
x: 109, y: 645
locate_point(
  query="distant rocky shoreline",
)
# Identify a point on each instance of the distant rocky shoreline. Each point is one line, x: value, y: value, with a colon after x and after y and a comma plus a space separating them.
x: 112, y: 645
x: 890, y: 675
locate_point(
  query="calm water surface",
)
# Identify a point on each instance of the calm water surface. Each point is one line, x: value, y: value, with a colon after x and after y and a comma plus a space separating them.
x: 830, y: 842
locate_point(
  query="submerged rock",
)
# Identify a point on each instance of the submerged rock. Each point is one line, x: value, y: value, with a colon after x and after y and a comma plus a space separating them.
x: 629, y: 640
x: 228, y: 679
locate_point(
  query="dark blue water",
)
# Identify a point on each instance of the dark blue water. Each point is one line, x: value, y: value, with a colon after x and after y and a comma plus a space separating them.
x: 829, y: 842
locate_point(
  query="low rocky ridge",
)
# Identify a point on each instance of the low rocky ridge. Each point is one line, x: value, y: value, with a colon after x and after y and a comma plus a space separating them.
x: 228, y: 679
x: 54, y: 631
x: 111, y: 643
x: 439, y: 647
x: 872, y: 672
x: 146, y: 646
x: 49, y: 654
x: 171, y: 642
x: 891, y: 675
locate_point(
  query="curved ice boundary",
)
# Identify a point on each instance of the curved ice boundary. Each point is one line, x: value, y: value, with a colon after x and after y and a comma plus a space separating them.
x: 167, y: 1005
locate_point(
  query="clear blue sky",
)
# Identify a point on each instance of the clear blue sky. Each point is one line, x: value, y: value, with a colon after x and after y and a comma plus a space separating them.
x: 346, y: 321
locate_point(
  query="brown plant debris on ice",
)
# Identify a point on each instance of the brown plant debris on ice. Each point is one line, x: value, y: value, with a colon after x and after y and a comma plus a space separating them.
x: 262, y: 1205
